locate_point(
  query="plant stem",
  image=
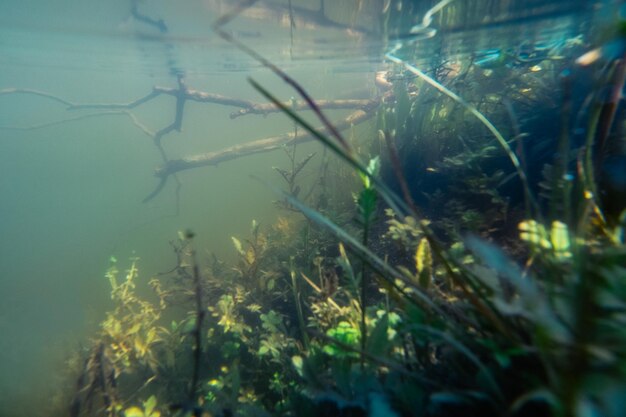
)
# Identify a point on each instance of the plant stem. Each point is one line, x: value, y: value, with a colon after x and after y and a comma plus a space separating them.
x: 296, y: 298
x: 363, y: 288
x: 197, y: 333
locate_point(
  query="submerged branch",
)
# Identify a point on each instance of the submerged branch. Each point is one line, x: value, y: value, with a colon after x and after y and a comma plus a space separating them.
x: 182, y: 94
x: 131, y: 105
x: 132, y: 117
x: 364, y: 110
x: 265, y: 108
x: 58, y: 99
x: 257, y: 146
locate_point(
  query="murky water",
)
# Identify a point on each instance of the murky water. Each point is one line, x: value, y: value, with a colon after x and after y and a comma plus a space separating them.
x: 71, y: 187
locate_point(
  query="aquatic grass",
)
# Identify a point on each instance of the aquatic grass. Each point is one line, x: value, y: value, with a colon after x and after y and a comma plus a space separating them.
x: 343, y: 150
x: 532, y: 207
x: 384, y: 270
x: 514, y: 340
x: 457, y: 272
x: 552, y: 338
x: 366, y: 205
x: 460, y: 275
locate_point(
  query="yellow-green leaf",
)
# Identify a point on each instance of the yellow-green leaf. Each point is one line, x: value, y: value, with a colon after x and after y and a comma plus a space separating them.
x: 149, y: 405
x: 238, y: 245
x: 559, y: 235
x: 134, y: 329
x: 133, y: 412
x: 250, y: 256
x: 423, y: 262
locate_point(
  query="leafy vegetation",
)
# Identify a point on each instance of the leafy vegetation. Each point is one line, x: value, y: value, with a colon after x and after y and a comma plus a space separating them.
x: 494, y: 304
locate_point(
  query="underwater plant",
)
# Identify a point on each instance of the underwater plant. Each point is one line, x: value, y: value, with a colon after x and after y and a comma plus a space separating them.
x: 412, y: 313
x: 498, y: 322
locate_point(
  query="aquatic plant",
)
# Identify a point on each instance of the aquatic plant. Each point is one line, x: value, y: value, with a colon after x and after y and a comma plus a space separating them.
x: 290, y: 176
x: 148, y: 410
x: 462, y: 322
x: 126, y: 348
x: 131, y: 329
x: 516, y: 324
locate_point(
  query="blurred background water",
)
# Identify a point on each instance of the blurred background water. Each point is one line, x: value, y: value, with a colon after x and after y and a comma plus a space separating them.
x: 70, y: 193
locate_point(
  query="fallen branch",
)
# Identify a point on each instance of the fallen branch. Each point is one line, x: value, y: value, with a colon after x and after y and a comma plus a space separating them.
x: 132, y: 117
x: 365, y: 110
x: 182, y: 94
x: 257, y: 146
x: 44, y: 94
x: 265, y: 108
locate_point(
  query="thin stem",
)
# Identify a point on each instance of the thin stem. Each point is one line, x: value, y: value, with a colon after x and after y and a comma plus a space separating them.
x: 197, y: 333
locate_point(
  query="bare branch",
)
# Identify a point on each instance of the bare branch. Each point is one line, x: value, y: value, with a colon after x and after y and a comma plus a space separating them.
x: 203, y: 97
x: 130, y: 105
x: 132, y: 117
x: 182, y: 94
x: 58, y: 99
x: 265, y: 108
x: 257, y: 146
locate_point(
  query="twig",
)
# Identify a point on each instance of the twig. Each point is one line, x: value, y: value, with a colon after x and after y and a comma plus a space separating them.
x: 140, y: 17
x: 132, y: 117
x: 7, y: 91
x: 79, y: 106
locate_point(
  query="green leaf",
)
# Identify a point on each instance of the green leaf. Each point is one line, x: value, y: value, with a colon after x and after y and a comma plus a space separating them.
x: 149, y: 405
x: 372, y: 169
x: 423, y: 263
x: 298, y: 364
x: 238, y: 245
x: 378, y: 342
x: 271, y: 321
x: 495, y: 258
x: 188, y: 325
x: 367, y: 204
x: 133, y: 412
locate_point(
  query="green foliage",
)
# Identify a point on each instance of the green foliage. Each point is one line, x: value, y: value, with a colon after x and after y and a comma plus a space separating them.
x: 131, y: 329
x: 345, y: 334
x: 405, y: 232
x: 275, y: 343
x: 502, y: 334
x: 366, y: 200
x: 405, y: 316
